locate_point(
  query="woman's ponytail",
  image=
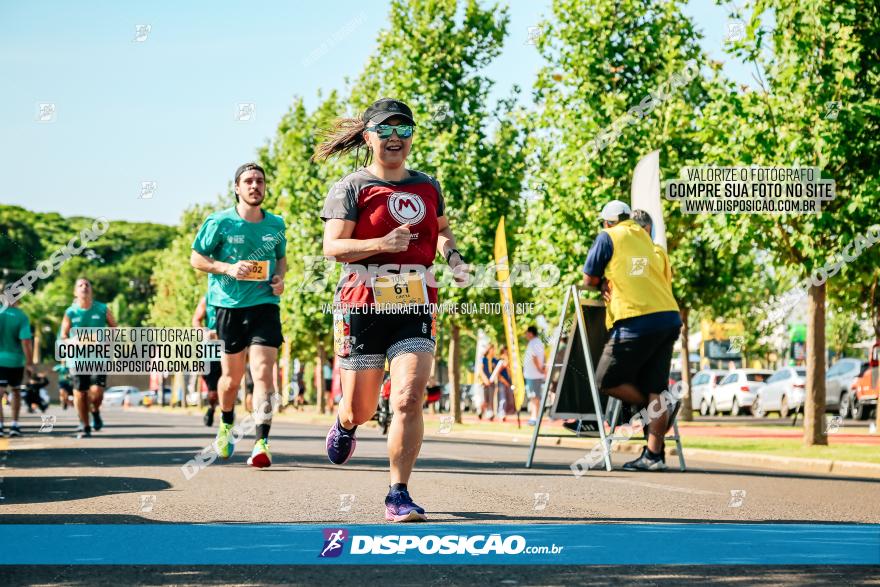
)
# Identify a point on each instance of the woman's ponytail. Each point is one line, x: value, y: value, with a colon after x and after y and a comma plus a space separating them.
x: 345, y: 137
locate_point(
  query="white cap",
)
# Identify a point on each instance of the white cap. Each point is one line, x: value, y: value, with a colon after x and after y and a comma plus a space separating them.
x: 613, y: 210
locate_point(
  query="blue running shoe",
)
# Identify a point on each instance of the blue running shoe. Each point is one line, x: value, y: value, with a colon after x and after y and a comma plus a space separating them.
x: 340, y: 444
x: 399, y: 507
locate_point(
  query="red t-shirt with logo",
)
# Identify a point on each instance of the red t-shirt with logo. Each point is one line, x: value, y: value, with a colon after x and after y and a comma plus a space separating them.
x: 377, y: 207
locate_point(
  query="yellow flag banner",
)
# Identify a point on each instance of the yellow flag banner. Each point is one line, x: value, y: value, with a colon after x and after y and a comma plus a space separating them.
x: 502, y: 268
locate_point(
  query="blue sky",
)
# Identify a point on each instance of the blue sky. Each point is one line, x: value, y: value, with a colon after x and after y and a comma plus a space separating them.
x: 164, y: 109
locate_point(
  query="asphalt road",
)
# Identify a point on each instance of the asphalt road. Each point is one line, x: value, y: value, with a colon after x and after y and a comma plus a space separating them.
x: 130, y: 473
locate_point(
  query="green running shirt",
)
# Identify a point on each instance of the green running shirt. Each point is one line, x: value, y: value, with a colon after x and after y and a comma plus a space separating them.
x: 225, y: 236
x: 14, y: 328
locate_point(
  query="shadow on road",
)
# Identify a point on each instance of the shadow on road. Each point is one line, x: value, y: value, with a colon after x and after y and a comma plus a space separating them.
x: 19, y: 490
x: 92, y: 457
x: 77, y: 519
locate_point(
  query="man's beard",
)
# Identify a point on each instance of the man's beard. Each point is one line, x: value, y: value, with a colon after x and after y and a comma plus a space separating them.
x: 250, y: 199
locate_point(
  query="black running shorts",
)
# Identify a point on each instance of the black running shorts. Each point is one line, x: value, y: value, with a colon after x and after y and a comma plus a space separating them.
x: 11, y: 376
x: 364, y: 338
x: 258, y: 325
x: 84, y: 382
x: 643, y: 362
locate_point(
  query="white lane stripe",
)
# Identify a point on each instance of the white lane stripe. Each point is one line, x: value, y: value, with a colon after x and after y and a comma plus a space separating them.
x: 658, y: 486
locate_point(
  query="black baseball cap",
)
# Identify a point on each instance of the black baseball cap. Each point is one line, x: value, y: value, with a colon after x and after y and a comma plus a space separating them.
x: 385, y: 108
x: 247, y: 167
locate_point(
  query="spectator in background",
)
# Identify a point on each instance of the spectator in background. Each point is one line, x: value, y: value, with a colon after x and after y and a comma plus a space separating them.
x: 65, y: 387
x: 504, y: 385
x: 534, y: 372
x: 36, y: 397
x: 299, y: 384
x: 487, y: 366
x: 328, y: 386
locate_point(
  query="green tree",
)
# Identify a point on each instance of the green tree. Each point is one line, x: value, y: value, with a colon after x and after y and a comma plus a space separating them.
x: 815, y: 53
x: 607, y: 62
x: 177, y: 287
x: 297, y: 189
x: 20, y: 245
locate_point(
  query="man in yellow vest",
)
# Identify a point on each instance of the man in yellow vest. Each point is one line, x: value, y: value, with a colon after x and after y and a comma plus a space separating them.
x: 643, y: 321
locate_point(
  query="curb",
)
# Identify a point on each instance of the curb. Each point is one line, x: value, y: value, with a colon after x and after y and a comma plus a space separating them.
x: 789, y: 464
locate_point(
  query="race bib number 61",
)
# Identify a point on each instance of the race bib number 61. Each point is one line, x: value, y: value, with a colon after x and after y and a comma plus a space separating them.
x: 407, y: 288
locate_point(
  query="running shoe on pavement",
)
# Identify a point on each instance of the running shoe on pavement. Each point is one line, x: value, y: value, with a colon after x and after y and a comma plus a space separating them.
x: 260, y: 456
x: 340, y: 444
x: 97, y: 422
x: 645, y: 463
x: 223, y: 443
x: 399, y: 507
x: 209, y: 417
x: 14, y: 430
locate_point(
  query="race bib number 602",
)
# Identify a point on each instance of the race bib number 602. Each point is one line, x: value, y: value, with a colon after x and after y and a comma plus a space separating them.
x: 259, y: 271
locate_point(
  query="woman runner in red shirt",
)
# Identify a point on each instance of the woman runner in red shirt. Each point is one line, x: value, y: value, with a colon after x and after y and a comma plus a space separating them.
x: 384, y: 215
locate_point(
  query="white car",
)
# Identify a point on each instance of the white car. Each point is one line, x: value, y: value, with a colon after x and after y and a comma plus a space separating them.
x: 116, y: 396
x: 784, y: 392
x: 702, y: 385
x: 838, y: 381
x: 736, y: 391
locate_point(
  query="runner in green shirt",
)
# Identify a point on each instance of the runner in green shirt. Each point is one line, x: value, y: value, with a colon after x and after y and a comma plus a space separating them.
x: 243, y: 250
x: 16, y: 353
x: 65, y: 387
x: 88, y: 389
x: 206, y: 317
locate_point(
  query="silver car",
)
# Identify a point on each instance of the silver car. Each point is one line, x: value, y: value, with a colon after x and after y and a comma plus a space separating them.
x: 702, y: 385
x: 117, y: 396
x: 784, y: 393
x: 838, y: 381
x: 736, y: 392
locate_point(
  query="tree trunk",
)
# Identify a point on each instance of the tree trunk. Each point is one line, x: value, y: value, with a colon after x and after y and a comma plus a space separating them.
x: 814, y: 410
x: 37, y: 357
x: 453, y: 363
x: 321, y: 358
x: 686, y: 414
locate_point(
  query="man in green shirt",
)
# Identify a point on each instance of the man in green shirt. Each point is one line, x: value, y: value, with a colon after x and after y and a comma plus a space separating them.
x: 65, y: 387
x: 88, y: 389
x: 205, y: 317
x: 243, y: 249
x: 16, y: 353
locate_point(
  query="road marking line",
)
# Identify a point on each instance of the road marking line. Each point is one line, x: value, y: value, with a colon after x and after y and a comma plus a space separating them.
x: 660, y: 486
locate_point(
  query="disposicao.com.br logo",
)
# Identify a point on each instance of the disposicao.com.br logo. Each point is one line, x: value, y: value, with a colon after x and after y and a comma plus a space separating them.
x: 479, y: 544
